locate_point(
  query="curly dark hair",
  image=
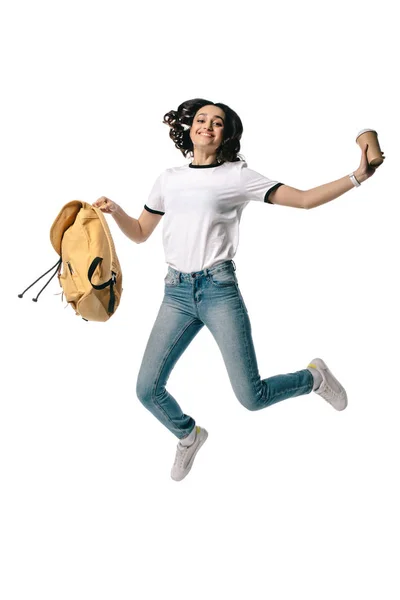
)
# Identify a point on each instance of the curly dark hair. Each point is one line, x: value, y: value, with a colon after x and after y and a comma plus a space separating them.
x: 181, y: 120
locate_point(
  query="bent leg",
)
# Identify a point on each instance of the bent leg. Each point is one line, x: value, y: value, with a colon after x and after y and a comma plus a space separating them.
x: 171, y: 334
x: 230, y: 326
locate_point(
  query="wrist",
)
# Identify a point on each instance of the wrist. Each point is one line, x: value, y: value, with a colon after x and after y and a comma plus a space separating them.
x: 360, y: 178
x: 117, y: 212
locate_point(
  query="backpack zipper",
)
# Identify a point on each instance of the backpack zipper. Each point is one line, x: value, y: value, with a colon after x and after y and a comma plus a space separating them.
x: 69, y: 267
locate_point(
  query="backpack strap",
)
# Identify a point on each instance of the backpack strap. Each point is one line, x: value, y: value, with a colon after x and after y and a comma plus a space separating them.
x: 115, y: 266
x: 111, y: 282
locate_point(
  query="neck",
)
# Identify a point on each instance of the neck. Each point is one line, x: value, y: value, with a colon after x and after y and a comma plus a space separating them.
x: 203, y: 158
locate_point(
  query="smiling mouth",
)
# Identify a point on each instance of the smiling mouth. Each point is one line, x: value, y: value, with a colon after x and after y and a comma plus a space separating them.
x: 206, y: 135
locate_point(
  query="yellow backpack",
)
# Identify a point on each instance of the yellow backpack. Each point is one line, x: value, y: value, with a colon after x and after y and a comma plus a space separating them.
x: 88, y: 269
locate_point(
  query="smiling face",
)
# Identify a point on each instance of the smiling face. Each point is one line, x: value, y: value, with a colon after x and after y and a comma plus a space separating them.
x: 207, y: 130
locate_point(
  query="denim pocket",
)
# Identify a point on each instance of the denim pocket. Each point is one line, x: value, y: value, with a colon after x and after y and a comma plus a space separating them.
x: 224, y: 277
x: 171, y: 278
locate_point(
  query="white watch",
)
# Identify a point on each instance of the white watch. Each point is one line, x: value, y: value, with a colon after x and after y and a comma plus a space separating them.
x: 354, y: 180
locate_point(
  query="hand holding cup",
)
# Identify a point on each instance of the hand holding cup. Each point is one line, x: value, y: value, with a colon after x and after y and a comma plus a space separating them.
x: 371, y: 154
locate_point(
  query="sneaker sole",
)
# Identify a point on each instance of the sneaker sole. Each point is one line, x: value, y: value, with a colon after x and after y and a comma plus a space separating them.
x: 190, y: 464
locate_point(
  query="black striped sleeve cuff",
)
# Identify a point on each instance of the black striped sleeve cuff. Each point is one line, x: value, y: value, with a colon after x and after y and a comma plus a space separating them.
x: 274, y: 187
x: 155, y: 212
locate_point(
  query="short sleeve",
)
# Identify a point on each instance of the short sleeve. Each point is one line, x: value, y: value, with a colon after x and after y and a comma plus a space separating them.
x: 256, y: 186
x: 155, y: 202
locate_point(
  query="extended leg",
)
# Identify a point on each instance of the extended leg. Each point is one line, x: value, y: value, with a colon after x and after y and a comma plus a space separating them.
x: 171, y: 334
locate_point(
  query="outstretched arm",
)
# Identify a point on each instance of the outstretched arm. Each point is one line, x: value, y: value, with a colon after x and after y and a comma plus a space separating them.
x: 288, y: 196
x: 137, y: 230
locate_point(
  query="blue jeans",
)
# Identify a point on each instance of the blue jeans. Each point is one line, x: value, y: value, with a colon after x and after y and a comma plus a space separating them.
x: 191, y: 300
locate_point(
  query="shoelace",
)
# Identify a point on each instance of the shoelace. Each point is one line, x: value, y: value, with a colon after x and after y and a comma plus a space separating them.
x: 180, y: 454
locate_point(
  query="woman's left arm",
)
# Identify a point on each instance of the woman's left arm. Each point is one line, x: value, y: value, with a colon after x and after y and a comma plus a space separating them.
x: 323, y: 193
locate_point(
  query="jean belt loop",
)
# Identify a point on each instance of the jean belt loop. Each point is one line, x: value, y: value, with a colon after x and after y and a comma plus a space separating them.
x: 234, y: 266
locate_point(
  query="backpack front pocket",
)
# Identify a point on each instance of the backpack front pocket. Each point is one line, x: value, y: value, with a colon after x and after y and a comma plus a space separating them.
x: 71, y: 283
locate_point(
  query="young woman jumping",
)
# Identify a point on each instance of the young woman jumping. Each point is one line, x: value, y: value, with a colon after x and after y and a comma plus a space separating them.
x: 203, y: 202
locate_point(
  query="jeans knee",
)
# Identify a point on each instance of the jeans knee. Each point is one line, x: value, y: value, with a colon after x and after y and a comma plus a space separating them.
x: 249, y: 405
x: 144, y: 391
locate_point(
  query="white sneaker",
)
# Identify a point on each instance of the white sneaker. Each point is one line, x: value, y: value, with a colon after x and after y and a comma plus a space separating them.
x: 185, y: 455
x: 330, y: 389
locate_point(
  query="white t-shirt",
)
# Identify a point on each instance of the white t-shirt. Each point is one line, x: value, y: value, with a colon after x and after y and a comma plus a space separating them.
x: 203, y: 205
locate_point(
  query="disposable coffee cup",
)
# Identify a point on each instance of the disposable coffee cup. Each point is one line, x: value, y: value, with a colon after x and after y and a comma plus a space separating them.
x: 374, y: 153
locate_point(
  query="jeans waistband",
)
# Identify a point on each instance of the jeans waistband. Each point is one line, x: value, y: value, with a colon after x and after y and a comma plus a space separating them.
x: 204, y: 272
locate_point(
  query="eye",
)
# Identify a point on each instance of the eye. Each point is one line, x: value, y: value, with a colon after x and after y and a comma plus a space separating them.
x: 215, y: 122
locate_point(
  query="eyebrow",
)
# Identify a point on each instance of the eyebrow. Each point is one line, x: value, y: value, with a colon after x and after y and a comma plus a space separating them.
x: 217, y: 116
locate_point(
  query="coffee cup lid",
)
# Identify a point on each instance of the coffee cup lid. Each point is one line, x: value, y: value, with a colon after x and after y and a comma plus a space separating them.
x: 364, y: 131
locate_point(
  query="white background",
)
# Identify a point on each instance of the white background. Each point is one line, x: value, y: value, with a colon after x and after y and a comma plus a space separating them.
x: 295, y: 501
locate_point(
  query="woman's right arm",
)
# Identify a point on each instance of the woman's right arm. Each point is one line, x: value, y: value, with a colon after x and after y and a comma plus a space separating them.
x: 137, y: 230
